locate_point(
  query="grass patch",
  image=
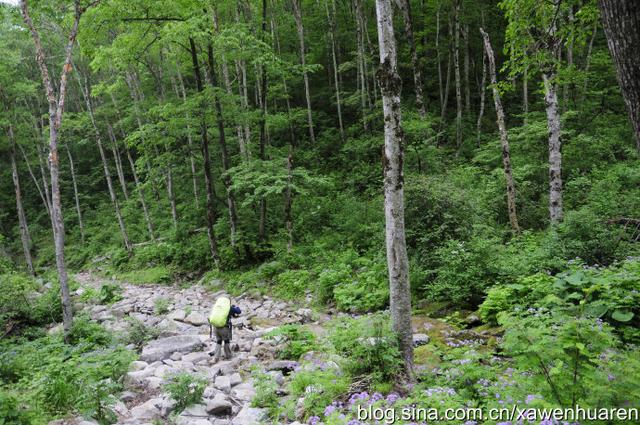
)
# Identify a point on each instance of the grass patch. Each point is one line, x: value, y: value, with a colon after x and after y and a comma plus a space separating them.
x: 152, y: 275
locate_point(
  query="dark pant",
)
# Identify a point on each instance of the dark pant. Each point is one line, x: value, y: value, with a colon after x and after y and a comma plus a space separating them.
x: 223, y: 334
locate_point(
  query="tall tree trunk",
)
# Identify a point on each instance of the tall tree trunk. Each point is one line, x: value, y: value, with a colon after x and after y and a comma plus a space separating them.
x: 192, y: 161
x: 75, y: 192
x: 361, y: 63
x: 211, y: 212
x: 525, y: 94
x: 84, y: 87
x: 226, y: 179
x: 262, y: 226
x: 297, y: 14
x: 405, y: 9
x: 397, y: 260
x: 136, y: 180
x: 289, y: 200
x: 56, y: 109
x: 116, y: 155
x: 504, y: 138
x: 22, y: 218
x: 621, y: 20
x: 45, y: 200
x: 456, y: 68
x: 555, y: 148
x: 467, y: 84
x: 483, y: 90
x: 331, y: 18
x: 227, y: 83
x: 441, y: 89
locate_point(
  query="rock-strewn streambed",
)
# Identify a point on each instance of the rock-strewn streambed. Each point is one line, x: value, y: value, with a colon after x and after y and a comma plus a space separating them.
x: 183, y: 346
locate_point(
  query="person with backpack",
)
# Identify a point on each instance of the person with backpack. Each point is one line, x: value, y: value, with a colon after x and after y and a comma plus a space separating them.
x: 220, y: 320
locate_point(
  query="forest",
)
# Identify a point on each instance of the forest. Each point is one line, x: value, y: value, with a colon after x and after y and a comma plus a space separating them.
x: 415, y: 204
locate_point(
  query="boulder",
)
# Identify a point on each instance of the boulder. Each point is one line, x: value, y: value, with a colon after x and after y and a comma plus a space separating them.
x: 177, y: 315
x: 235, y: 379
x: 147, y: 410
x: 161, y: 349
x: 223, y: 383
x: 195, y: 357
x: 219, y: 405
x: 244, y: 392
x: 196, y: 318
x: 249, y: 416
x: 195, y: 410
x: 137, y: 365
x: 284, y: 366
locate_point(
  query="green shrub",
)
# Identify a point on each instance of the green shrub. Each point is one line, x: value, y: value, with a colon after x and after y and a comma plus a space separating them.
x: 186, y: 389
x: 161, y: 306
x: 296, y: 341
x: 110, y: 293
x: 11, y: 413
x: 266, y: 392
x: 86, y: 331
x: 292, y: 284
x: 139, y: 334
x: 368, y: 346
x: 319, y: 389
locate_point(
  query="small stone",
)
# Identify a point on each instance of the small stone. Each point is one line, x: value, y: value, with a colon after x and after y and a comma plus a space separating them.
x: 250, y: 416
x: 137, y: 365
x: 196, y: 410
x: 420, y: 339
x: 177, y: 315
x: 147, y: 410
x: 127, y: 396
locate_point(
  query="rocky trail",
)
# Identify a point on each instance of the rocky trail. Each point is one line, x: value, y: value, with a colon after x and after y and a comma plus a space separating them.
x: 183, y: 346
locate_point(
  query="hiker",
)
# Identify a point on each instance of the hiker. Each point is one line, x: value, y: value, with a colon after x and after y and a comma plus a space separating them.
x: 220, y: 320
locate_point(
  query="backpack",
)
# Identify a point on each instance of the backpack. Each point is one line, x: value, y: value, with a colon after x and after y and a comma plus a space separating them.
x: 220, y: 312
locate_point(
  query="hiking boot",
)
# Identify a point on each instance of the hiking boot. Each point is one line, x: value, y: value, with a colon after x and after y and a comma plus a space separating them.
x: 216, y: 353
x: 227, y: 351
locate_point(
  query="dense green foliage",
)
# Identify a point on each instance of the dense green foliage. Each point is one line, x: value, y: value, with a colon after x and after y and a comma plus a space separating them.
x: 563, y: 298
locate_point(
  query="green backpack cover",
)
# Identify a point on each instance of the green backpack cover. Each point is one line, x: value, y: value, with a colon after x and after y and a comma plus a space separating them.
x: 220, y: 312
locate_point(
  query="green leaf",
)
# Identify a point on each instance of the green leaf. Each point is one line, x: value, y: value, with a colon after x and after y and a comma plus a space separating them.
x: 622, y: 316
x: 596, y: 310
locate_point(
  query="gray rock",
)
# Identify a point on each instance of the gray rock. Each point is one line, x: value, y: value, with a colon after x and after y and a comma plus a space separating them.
x: 127, y: 396
x: 244, y: 392
x: 420, y: 339
x: 195, y: 410
x: 147, y: 410
x: 235, y: 379
x: 278, y: 377
x: 219, y: 405
x: 137, y: 365
x: 195, y: 357
x: 250, y: 416
x: 196, y: 318
x: 223, y: 383
x: 285, y: 366
x: 138, y: 377
x: 161, y: 349
x: 177, y: 315
x: 190, y: 420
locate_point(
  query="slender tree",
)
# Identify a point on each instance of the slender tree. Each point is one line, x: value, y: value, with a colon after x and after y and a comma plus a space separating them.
x: 56, y: 99
x: 397, y: 260
x: 504, y: 138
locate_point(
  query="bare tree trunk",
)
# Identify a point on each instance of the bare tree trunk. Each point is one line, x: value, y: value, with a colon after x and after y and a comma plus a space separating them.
x: 44, y: 199
x: 361, y: 63
x: 483, y: 90
x: 405, y: 9
x: 226, y: 179
x: 192, y: 161
x: 22, y: 218
x: 116, y: 155
x: 75, y: 192
x: 136, y: 180
x: 84, y: 87
x: 555, y: 148
x: 56, y: 109
x: 438, y: 57
x: 331, y: 18
x: 504, y: 138
x: 445, y: 103
x: 467, y: 84
x: 397, y: 260
x: 289, y: 200
x: 456, y: 68
x: 525, y: 94
x: 211, y: 213
x: 297, y: 14
x: 263, y: 128
x: 621, y: 20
